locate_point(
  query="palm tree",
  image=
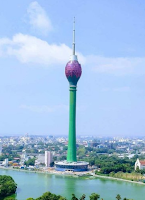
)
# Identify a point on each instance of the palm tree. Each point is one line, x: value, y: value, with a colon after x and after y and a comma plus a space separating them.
x: 83, y: 197
x: 74, y: 197
x: 94, y: 196
x: 118, y: 197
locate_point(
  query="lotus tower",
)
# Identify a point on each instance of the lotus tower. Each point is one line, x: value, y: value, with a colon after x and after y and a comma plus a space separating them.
x: 73, y: 73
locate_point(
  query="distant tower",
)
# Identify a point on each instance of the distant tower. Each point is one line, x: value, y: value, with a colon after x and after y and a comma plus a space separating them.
x: 48, y: 158
x: 73, y: 72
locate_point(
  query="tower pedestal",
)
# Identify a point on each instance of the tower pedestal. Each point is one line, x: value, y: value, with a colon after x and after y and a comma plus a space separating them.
x: 79, y: 166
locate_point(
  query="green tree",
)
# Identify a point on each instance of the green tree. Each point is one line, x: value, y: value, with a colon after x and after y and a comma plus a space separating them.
x: 62, y: 198
x: 31, y: 161
x: 118, y: 197
x: 137, y: 170
x: 83, y: 197
x: 7, y: 186
x: 50, y: 196
x: 74, y: 197
x: 81, y: 152
x: 30, y: 199
x: 94, y: 196
x: 51, y: 164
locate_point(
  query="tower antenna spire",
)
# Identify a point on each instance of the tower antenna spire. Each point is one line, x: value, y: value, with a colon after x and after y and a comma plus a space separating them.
x: 74, y: 37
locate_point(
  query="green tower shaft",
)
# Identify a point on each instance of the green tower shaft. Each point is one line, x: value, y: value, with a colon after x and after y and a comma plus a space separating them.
x: 71, y: 153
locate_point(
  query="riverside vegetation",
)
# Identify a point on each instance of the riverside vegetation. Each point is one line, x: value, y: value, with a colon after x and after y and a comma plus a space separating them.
x: 113, y: 166
x: 118, y: 168
x: 93, y: 196
x: 7, y: 187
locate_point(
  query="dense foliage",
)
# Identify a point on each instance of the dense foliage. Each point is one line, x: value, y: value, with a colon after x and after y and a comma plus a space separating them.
x: 109, y: 164
x: 9, y: 156
x: 7, y: 186
x: 50, y: 196
x: 114, y: 164
x: 31, y: 161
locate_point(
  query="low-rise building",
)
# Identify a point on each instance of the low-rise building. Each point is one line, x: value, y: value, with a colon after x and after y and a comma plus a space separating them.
x: 40, y: 159
x: 0, y: 148
x: 6, y: 162
x: 140, y: 164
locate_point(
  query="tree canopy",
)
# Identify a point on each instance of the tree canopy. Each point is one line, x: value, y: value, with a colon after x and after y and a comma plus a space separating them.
x: 7, y: 186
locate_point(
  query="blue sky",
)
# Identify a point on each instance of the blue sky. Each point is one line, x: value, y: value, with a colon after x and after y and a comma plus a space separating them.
x: 35, y: 45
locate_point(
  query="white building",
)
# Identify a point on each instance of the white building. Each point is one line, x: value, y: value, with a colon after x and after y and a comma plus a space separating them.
x: 40, y: 159
x: 5, y: 162
x: 24, y: 157
x: 48, y: 158
x: 0, y: 148
x: 140, y: 164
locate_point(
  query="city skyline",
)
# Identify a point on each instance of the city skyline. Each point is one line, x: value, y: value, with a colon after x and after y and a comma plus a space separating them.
x: 35, y: 44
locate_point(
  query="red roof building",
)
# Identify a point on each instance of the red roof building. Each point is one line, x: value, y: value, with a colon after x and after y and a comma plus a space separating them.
x: 140, y: 164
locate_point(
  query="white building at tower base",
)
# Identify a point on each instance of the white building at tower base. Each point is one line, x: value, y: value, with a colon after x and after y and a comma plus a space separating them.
x: 79, y: 166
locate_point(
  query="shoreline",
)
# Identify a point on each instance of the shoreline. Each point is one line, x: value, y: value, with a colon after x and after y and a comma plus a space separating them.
x: 79, y: 175
x: 118, y: 179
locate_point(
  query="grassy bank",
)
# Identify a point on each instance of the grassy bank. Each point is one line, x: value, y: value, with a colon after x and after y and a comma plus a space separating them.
x: 133, y: 176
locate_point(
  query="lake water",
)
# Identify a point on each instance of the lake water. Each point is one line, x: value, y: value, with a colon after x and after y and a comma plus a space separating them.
x: 35, y: 184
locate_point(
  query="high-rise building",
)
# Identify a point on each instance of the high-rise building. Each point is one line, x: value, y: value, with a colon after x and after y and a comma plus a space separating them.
x: 73, y: 72
x: 48, y: 158
x: 0, y: 148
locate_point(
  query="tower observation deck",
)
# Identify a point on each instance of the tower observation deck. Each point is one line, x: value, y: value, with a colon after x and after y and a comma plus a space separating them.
x: 73, y: 72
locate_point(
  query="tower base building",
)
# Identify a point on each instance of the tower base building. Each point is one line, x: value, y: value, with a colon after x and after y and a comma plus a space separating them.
x: 79, y: 166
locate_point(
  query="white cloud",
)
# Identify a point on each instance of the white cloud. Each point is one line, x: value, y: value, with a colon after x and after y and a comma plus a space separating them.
x: 38, y: 18
x: 44, y: 108
x: 30, y: 49
x: 119, y: 65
